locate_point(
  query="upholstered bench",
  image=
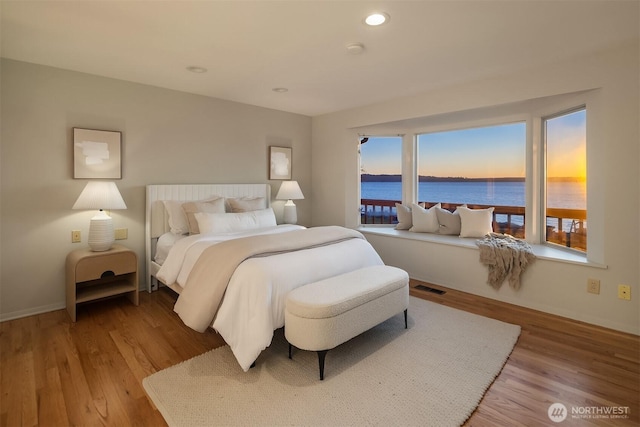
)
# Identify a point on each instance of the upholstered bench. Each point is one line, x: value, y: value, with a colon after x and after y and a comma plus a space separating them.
x: 322, y: 315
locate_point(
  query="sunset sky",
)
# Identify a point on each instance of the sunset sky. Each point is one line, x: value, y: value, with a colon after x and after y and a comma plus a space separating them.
x: 489, y: 152
x: 566, y: 145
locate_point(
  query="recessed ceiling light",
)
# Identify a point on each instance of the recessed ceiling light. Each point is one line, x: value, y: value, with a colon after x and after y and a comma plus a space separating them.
x: 377, y: 18
x: 280, y: 89
x: 195, y: 69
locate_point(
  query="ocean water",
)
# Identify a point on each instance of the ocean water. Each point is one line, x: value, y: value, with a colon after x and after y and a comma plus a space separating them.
x: 567, y: 195
x: 570, y: 195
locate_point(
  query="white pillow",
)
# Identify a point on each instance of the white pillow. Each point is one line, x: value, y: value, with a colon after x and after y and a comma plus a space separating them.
x: 449, y: 221
x: 424, y: 220
x: 404, y: 217
x: 164, y: 245
x: 214, y: 205
x: 230, y: 222
x: 475, y: 222
x: 246, y: 204
x: 403, y: 212
x: 177, y: 218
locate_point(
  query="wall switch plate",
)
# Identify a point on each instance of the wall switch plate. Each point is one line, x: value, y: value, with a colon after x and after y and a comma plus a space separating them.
x: 624, y: 292
x: 593, y: 286
x: 121, y: 233
x: 76, y: 236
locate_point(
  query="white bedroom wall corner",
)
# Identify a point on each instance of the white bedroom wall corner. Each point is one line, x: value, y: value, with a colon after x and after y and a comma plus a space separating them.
x: 330, y: 164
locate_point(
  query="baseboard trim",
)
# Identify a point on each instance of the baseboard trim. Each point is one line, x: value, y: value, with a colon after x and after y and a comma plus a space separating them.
x: 31, y: 311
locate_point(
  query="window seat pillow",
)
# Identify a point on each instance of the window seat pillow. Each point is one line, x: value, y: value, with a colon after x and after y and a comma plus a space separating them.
x: 450, y: 222
x: 403, y: 212
x: 475, y: 222
x: 463, y: 222
x: 424, y: 220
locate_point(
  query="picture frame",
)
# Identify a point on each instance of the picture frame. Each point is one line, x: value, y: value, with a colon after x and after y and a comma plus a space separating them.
x: 280, y: 163
x: 97, y: 154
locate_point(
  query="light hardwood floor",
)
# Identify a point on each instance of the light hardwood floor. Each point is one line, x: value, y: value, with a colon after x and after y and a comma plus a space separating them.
x: 58, y: 373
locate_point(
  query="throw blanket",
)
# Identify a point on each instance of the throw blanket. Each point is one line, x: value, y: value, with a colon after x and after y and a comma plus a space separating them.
x: 506, y: 257
x: 199, y: 301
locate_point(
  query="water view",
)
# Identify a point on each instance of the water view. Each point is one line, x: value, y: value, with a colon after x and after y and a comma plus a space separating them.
x: 562, y: 194
x: 567, y: 195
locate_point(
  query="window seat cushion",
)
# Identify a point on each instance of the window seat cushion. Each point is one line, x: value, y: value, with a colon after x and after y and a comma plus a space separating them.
x: 548, y: 252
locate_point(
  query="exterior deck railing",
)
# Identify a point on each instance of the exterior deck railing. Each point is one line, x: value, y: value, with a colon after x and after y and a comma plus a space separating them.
x: 566, y: 227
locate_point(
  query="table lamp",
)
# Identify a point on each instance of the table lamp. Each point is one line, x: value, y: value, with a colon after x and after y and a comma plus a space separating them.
x: 100, y: 195
x: 289, y: 191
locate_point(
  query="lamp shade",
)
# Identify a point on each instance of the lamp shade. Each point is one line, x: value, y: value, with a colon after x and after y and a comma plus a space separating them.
x: 100, y: 195
x: 289, y: 190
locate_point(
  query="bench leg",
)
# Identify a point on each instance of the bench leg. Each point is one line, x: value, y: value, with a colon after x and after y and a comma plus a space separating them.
x: 321, y: 356
x: 405, y: 320
x: 290, y: 350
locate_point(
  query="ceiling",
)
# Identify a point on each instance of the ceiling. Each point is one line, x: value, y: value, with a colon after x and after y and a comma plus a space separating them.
x: 251, y: 47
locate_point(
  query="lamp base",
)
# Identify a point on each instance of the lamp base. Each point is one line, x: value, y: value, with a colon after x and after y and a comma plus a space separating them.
x: 290, y: 213
x: 101, y: 236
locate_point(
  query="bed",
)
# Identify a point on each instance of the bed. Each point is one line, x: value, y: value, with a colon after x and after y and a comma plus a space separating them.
x: 235, y: 280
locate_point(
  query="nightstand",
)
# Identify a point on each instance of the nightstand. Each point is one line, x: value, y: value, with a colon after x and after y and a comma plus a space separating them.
x: 94, y: 275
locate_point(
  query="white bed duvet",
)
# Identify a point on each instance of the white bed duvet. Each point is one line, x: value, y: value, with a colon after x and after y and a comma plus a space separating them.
x: 185, y: 252
x: 253, y: 304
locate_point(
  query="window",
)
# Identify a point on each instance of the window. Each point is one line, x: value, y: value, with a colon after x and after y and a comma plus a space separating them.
x: 526, y: 159
x: 481, y: 167
x: 380, y: 178
x: 566, y: 175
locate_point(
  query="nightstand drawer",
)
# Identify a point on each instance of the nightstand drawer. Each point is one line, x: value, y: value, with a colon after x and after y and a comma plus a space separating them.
x: 94, y: 267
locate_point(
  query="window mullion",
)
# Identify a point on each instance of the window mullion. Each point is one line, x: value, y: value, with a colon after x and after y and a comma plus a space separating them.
x: 535, y: 223
x: 409, y: 169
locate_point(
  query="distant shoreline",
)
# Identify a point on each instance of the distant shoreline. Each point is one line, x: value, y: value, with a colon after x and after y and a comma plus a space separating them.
x: 426, y: 178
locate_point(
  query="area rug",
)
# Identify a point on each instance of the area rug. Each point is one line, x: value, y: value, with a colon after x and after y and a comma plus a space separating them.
x: 433, y: 373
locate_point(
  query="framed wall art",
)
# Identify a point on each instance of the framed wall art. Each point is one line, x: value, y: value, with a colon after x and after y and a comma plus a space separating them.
x: 97, y: 154
x: 279, y: 163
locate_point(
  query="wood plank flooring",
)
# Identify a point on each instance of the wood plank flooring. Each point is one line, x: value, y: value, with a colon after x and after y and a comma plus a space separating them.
x: 89, y: 373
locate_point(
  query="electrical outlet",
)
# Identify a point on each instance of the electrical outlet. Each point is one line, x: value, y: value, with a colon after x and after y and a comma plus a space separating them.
x: 76, y: 236
x: 593, y: 286
x: 624, y: 292
x: 121, y: 233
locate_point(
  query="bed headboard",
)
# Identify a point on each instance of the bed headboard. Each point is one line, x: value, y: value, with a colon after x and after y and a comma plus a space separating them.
x: 157, y: 221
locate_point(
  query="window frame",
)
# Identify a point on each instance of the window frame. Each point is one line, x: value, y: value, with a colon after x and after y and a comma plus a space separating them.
x: 532, y: 112
x: 544, y: 181
x: 591, y: 101
x: 495, y: 122
x: 403, y: 181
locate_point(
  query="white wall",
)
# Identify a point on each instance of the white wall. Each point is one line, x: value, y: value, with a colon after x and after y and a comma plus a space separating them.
x: 168, y: 137
x: 549, y: 286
